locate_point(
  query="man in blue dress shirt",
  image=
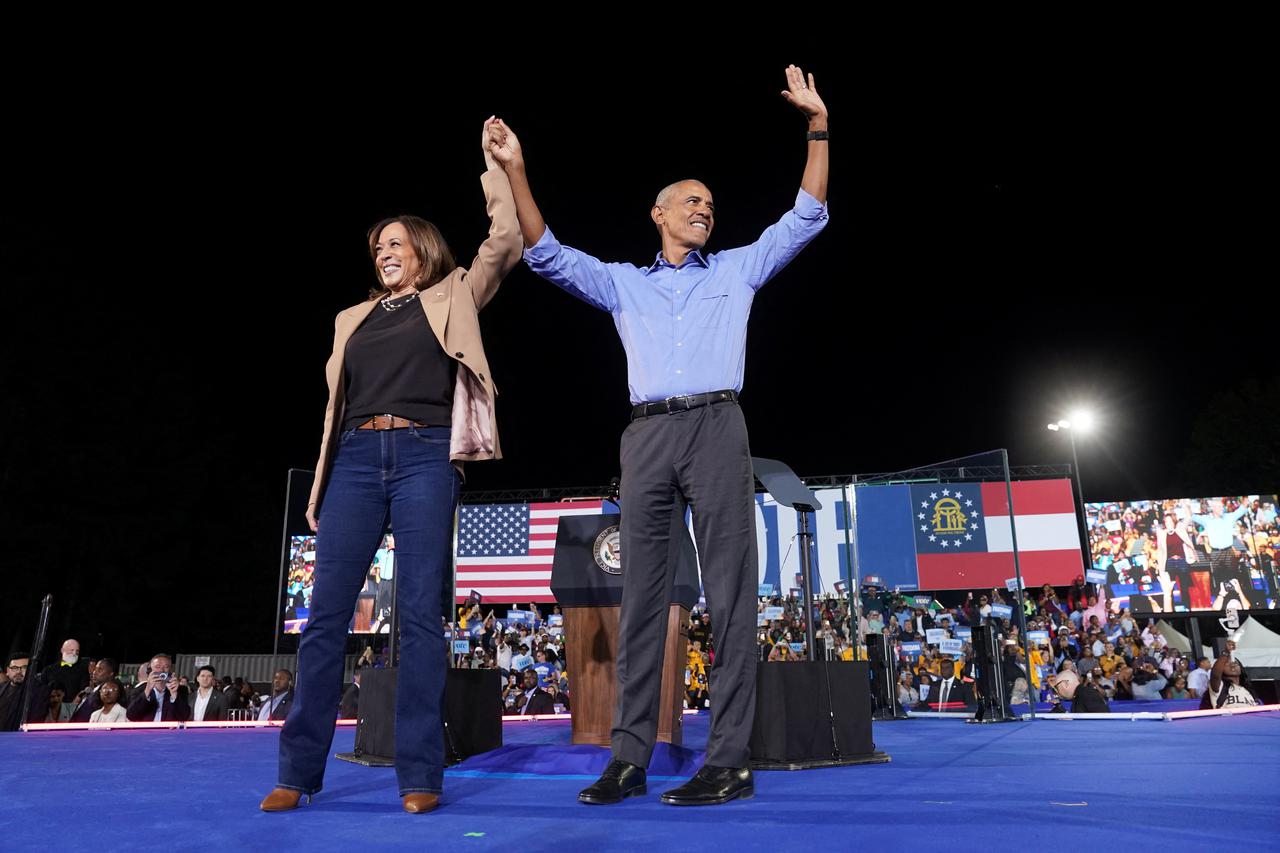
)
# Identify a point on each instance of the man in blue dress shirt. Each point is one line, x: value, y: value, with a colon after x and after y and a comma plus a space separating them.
x: 683, y: 323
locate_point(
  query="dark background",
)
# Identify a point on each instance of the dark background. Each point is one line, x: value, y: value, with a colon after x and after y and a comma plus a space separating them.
x: 1007, y: 241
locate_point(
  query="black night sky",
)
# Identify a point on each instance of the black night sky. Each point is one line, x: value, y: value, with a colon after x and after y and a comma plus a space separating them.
x: 1004, y: 245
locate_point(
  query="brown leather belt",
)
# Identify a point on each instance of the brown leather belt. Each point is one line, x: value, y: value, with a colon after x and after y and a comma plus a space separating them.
x: 381, y: 422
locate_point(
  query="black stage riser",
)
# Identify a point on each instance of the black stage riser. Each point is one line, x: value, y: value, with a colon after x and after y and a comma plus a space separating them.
x: 472, y: 713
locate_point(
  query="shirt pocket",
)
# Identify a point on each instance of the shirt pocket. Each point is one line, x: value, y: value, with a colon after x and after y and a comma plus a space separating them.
x: 712, y: 311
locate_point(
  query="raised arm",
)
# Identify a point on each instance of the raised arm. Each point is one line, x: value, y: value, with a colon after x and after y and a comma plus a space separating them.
x: 501, y: 251
x: 802, y: 93
x: 577, y: 272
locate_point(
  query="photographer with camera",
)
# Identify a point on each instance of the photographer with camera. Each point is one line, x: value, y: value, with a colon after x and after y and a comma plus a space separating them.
x: 160, y: 698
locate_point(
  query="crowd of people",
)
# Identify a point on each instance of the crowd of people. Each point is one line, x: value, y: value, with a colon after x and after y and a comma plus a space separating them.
x: 1084, y: 649
x: 77, y: 689
x: 528, y: 652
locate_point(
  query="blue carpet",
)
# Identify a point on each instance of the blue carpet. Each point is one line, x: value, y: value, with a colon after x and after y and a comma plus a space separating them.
x: 1198, y: 784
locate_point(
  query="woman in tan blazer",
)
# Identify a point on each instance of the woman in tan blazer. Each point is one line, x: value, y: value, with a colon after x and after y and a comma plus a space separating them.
x: 410, y: 400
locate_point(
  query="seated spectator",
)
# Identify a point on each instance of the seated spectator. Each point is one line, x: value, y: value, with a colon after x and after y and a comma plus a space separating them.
x: 281, y: 700
x: 946, y: 692
x: 546, y: 668
x: 1148, y: 682
x: 208, y: 703
x: 875, y: 623
x: 55, y: 709
x: 1064, y: 685
x: 533, y: 699
x: 523, y: 660
x: 1089, y: 697
x: 1110, y: 661
x: 1096, y: 644
x: 1178, y: 689
x: 72, y: 671
x: 1127, y: 625
x: 88, y: 701
x: 1198, y: 680
x: 249, y: 697
x: 1229, y: 685
x: 700, y: 629
x: 559, y: 698
x: 1087, y: 661
x: 505, y: 651
x: 1124, y: 681
x: 1106, y: 685
x: 695, y: 694
x: 908, y: 696
x: 782, y: 652
x: 109, y: 709
x: 1143, y: 656
x: 511, y: 691
x: 1152, y: 638
x: 928, y: 663
x: 160, y: 697
x: 1170, y: 660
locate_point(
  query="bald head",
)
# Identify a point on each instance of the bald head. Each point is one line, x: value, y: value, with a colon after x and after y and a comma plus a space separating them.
x: 684, y: 214
x: 671, y: 191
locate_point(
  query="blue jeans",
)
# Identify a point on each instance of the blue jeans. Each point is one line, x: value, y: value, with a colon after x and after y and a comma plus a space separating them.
x: 401, y: 475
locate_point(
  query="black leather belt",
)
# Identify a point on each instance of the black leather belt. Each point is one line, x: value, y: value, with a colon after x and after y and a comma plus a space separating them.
x: 683, y: 404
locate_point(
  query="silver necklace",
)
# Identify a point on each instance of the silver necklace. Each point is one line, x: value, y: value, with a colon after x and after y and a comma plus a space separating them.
x: 388, y: 305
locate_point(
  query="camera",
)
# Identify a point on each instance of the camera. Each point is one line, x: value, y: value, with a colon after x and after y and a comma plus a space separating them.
x: 163, y: 676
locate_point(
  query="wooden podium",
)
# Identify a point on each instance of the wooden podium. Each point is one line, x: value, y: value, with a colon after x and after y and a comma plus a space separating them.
x: 591, y: 641
x: 587, y: 583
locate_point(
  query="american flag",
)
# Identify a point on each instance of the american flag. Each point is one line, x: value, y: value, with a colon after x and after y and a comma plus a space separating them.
x: 505, y: 550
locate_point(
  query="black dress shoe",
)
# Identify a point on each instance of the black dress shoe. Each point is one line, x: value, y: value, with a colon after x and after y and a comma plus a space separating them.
x: 712, y: 786
x: 619, y: 781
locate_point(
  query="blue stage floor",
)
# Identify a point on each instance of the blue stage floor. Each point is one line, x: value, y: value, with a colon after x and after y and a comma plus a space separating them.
x: 1198, y: 784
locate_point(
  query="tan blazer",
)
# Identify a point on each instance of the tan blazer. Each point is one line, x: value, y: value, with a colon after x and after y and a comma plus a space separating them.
x: 452, y: 306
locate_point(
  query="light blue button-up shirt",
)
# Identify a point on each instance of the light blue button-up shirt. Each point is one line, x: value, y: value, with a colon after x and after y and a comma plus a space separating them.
x: 684, y: 328
x: 1221, y: 531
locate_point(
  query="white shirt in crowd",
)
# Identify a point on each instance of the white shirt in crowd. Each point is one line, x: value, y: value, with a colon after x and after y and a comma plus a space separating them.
x: 115, y: 715
x: 1198, y: 680
x: 202, y: 703
x: 1149, y: 639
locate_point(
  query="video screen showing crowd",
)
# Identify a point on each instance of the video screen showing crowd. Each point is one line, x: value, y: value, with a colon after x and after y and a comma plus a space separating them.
x: 372, y: 613
x: 1185, y: 555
